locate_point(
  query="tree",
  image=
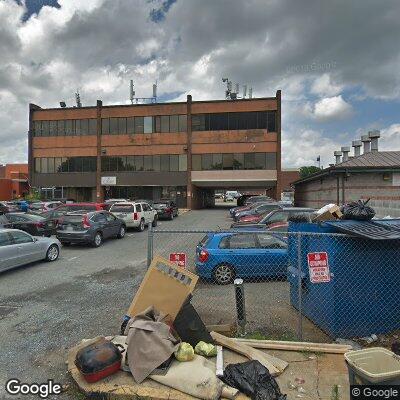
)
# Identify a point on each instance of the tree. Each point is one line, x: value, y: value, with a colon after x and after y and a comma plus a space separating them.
x: 306, y: 171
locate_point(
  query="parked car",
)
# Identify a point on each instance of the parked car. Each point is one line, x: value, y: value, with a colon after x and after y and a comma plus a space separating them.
x: 6, y: 207
x: 35, y: 225
x: 257, y: 209
x: 233, y: 193
x: 91, y: 227
x: 135, y: 214
x: 228, y: 197
x: 22, y: 205
x: 109, y: 202
x: 44, y: 206
x: 166, y: 209
x: 19, y: 248
x: 280, y: 215
x: 56, y: 213
x: 223, y: 257
x: 249, y: 203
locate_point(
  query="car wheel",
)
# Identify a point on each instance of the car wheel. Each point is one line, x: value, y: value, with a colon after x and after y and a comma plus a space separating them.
x: 52, y: 253
x: 122, y: 231
x: 155, y: 220
x: 224, y: 274
x: 98, y: 239
x: 141, y: 225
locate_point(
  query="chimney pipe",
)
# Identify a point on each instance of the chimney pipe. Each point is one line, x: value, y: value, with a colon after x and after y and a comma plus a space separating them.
x: 357, y: 147
x: 338, y: 155
x: 345, y: 151
x: 374, y: 136
x: 367, y: 143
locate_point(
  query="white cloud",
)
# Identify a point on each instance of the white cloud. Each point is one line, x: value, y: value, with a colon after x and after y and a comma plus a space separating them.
x: 390, y: 138
x: 332, y: 108
x: 323, y: 86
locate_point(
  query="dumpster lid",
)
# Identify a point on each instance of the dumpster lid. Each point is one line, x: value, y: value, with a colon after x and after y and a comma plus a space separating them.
x: 375, y: 230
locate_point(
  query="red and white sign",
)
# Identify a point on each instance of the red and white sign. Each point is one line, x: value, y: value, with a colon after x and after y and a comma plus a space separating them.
x: 179, y: 259
x: 318, y: 267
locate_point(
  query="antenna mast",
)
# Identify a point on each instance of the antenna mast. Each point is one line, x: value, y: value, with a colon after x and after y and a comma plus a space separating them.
x: 233, y: 94
x: 78, y: 99
x: 136, y: 100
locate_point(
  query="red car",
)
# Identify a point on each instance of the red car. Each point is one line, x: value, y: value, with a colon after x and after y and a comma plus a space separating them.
x: 252, y: 218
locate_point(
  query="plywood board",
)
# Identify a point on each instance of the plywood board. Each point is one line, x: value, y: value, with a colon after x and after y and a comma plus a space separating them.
x: 165, y: 286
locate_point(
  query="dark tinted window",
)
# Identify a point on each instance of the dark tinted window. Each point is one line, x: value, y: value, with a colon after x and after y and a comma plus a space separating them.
x: 182, y: 123
x: 21, y: 237
x: 270, y: 160
x: 122, y: 126
x: 5, y: 239
x: 198, y: 122
x: 174, y: 123
x: 219, y: 122
x: 139, y: 124
x: 113, y: 126
x: 174, y: 162
x: 165, y: 123
x: 271, y: 126
x: 164, y: 162
x: 259, y: 160
x: 61, y: 128
x: 138, y: 208
x: 270, y: 242
x: 130, y: 125
x: 45, y: 128
x: 224, y: 243
x: 92, y: 126
x: 148, y: 163
x: 124, y: 208
x: 196, y: 162
x: 84, y: 126
x: 242, y: 241
x: 105, y: 126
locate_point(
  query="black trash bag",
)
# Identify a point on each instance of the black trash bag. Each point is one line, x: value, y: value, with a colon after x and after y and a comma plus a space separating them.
x: 254, y: 380
x: 358, y: 210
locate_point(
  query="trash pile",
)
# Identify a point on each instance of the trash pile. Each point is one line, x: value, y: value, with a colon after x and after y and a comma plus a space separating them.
x: 163, y: 338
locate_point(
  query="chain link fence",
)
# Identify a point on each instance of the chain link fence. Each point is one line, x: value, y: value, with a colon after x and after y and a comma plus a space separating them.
x: 289, y: 286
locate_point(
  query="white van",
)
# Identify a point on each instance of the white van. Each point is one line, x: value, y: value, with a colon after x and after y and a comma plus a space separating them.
x: 135, y: 214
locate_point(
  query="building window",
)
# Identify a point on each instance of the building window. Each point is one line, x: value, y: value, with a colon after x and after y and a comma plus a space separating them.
x: 121, y: 126
x: 156, y: 163
x: 69, y: 127
x: 53, y: 128
x: 84, y: 126
x: 218, y: 122
x: 174, y: 162
x: 113, y: 126
x: 139, y: 163
x: 92, y: 126
x: 164, y: 123
x: 105, y: 126
x: 38, y: 168
x: 198, y: 122
x: 229, y: 161
x: 78, y: 127
x: 51, y: 165
x: 45, y: 128
x: 164, y: 162
x: 157, y: 124
x: 148, y: 125
x: 182, y: 162
x: 174, y: 123
x: 271, y: 125
x: 139, y: 124
x: 57, y: 164
x: 182, y: 123
x: 37, y: 128
x: 148, y: 163
x: 130, y: 125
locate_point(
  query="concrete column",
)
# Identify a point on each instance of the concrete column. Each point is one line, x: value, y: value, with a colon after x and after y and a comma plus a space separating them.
x: 99, y: 190
x: 356, y: 144
x: 367, y: 143
x: 189, y: 186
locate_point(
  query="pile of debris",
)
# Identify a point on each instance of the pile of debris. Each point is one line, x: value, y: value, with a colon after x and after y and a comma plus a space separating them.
x: 163, y: 338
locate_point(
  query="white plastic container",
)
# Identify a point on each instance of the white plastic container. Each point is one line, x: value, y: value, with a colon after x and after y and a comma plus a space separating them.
x: 374, y: 365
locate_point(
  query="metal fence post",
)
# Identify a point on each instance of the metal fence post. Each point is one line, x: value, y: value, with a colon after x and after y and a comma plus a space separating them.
x: 240, y: 306
x: 300, y: 289
x: 150, y: 238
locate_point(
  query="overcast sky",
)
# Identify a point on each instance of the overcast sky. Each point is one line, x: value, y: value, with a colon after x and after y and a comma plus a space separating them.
x: 337, y: 62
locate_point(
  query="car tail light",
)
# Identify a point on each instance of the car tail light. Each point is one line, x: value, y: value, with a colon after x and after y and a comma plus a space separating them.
x: 203, y: 255
x: 85, y: 222
x: 40, y: 224
x: 135, y: 216
x: 168, y: 209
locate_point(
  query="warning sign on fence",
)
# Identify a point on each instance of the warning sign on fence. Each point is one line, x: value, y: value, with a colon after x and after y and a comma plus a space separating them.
x: 179, y: 259
x: 318, y: 267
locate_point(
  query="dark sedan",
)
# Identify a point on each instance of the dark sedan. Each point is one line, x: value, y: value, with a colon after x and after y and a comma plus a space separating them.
x: 166, y: 209
x: 89, y: 228
x: 33, y: 224
x: 257, y: 209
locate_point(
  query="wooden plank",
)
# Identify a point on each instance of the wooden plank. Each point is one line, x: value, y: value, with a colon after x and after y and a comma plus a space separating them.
x: 274, y: 365
x: 223, y: 328
x: 296, y: 346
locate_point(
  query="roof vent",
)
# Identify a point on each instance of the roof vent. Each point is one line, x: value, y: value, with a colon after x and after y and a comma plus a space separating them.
x: 338, y: 155
x: 367, y: 143
x: 356, y: 144
x: 345, y: 151
x: 374, y: 136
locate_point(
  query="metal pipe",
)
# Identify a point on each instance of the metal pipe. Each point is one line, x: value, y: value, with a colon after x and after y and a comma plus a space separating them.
x: 240, y: 306
x: 300, y: 289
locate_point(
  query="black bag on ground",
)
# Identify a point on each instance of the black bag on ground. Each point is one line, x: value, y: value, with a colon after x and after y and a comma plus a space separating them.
x: 358, y: 210
x: 254, y: 380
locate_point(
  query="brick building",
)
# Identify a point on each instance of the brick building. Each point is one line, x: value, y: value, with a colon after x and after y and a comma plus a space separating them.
x: 373, y: 175
x: 13, y: 181
x: 184, y: 150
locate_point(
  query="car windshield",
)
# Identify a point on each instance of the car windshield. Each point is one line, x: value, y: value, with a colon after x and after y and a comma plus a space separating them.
x: 122, y: 208
x: 158, y: 206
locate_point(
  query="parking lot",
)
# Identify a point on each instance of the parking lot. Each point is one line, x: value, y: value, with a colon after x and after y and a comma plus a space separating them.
x: 45, y: 308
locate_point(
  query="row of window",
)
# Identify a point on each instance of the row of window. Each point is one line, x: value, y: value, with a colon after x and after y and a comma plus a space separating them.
x: 49, y: 165
x: 205, y: 162
x: 163, y: 162
x: 68, y: 127
x: 235, y: 121
x: 159, y: 123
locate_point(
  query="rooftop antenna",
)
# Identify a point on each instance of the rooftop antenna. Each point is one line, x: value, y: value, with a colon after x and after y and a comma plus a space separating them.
x: 132, y: 92
x: 155, y: 91
x: 78, y: 99
x: 244, y: 91
x: 237, y: 88
x: 230, y: 93
x: 251, y: 93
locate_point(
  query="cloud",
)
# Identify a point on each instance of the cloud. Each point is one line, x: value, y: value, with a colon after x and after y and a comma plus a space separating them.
x: 390, y: 138
x: 332, y: 108
x: 311, y: 51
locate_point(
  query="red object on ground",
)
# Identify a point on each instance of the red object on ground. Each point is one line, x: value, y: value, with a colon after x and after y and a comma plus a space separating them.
x: 179, y: 259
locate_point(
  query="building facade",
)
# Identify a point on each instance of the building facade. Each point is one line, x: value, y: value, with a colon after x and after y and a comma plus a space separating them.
x: 13, y: 181
x: 182, y: 150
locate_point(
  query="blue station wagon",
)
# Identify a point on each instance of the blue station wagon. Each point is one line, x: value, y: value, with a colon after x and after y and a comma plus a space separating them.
x: 222, y: 257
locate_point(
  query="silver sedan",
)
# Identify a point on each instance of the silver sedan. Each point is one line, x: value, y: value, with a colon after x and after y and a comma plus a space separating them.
x: 19, y: 248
